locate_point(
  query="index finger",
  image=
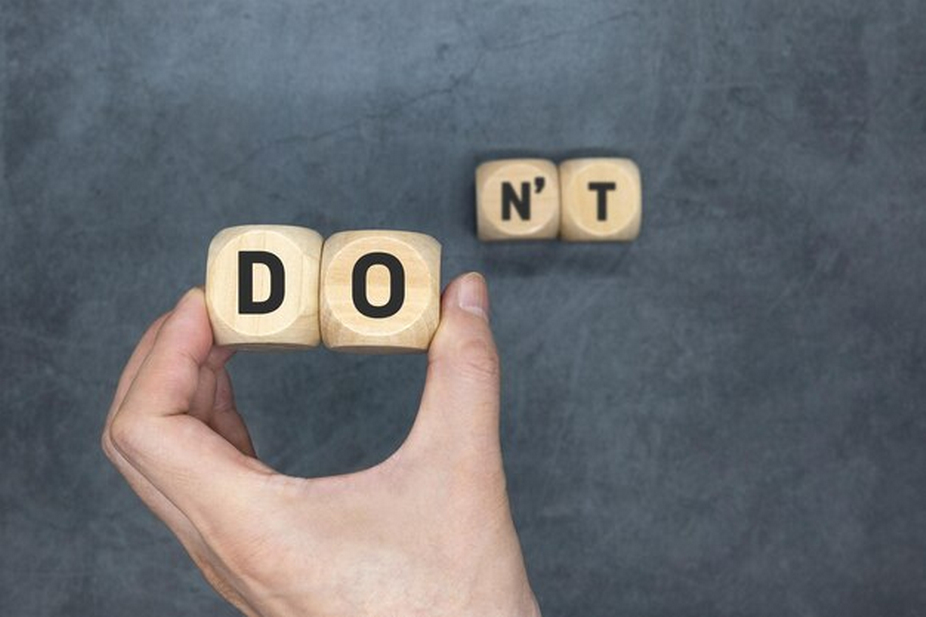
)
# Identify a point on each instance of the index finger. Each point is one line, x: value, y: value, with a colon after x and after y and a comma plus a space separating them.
x: 193, y: 466
x: 141, y: 351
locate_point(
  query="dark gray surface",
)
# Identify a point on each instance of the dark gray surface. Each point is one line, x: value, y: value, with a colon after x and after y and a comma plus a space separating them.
x: 725, y: 417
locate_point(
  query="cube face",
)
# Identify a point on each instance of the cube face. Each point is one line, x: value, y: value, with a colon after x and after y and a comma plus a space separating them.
x: 601, y: 199
x: 262, y: 286
x: 517, y: 199
x: 380, y: 291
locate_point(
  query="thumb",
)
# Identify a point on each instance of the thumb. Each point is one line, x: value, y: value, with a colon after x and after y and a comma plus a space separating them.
x: 460, y: 404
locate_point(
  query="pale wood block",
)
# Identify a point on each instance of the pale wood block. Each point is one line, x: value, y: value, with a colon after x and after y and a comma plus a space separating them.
x: 262, y: 286
x: 601, y: 199
x: 517, y: 199
x: 380, y: 291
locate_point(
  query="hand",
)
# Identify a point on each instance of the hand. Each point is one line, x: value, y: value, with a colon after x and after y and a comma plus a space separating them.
x: 426, y: 532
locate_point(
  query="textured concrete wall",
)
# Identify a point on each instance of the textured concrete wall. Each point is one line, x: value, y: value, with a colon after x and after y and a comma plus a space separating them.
x: 725, y: 417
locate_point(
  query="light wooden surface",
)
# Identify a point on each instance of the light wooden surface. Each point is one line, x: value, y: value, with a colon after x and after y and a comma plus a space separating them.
x: 533, y: 180
x: 345, y: 327
x: 295, y: 323
x: 601, y: 199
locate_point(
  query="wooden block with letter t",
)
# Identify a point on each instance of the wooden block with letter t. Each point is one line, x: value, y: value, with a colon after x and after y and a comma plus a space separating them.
x: 601, y: 199
x: 517, y: 199
x: 262, y: 286
x: 380, y: 291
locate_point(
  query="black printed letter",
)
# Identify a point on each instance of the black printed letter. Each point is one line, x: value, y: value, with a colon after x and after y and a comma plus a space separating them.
x: 521, y: 203
x: 396, y: 285
x: 246, y: 303
x: 602, y: 189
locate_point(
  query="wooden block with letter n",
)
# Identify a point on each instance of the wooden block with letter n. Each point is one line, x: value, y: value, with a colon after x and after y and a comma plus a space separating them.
x: 601, y: 199
x: 380, y: 291
x: 517, y: 199
x: 262, y: 286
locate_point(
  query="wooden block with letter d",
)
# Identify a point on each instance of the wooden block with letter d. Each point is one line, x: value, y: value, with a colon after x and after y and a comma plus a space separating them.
x: 380, y: 291
x: 601, y: 199
x: 517, y: 199
x: 262, y: 286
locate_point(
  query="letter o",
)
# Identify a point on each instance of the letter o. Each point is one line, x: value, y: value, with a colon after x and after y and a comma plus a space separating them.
x: 396, y: 285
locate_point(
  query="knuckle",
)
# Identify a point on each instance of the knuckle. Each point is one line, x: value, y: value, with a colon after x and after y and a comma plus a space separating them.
x: 106, y: 445
x: 124, y: 436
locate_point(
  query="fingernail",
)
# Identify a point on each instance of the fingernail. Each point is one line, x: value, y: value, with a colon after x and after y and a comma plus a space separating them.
x: 473, y: 296
x: 189, y: 293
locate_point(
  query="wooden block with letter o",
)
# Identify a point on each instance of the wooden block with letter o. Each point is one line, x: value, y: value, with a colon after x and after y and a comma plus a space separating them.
x: 517, y: 199
x: 601, y: 199
x: 380, y: 291
x: 262, y: 286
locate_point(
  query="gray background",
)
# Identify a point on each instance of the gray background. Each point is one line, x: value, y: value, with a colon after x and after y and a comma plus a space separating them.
x: 725, y: 417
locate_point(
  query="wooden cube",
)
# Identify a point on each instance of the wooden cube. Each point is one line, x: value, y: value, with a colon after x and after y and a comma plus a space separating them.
x: 601, y: 199
x: 517, y: 199
x: 380, y: 291
x: 262, y: 286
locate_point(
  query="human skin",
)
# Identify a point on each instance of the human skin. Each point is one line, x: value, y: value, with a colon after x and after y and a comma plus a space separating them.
x: 426, y: 532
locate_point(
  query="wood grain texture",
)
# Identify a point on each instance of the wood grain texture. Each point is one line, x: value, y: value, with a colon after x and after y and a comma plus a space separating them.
x: 344, y: 327
x: 601, y: 199
x: 294, y: 324
x: 536, y: 180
